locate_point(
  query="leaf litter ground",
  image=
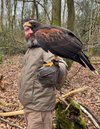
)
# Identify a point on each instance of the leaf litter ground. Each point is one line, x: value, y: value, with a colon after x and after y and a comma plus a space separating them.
x: 77, y: 77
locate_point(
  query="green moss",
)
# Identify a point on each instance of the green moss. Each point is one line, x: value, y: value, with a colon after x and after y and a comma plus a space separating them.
x: 55, y: 23
x: 1, y: 58
x: 71, y: 118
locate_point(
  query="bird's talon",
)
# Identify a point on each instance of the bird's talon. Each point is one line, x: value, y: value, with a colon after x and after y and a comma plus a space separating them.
x: 49, y: 64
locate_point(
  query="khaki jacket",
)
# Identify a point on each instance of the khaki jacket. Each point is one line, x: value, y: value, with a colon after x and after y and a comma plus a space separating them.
x: 32, y: 94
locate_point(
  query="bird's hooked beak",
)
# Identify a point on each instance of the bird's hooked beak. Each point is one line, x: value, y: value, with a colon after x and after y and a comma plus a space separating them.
x: 28, y: 24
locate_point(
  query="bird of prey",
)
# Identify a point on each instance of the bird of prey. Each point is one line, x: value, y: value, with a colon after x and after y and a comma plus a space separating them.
x: 59, y: 41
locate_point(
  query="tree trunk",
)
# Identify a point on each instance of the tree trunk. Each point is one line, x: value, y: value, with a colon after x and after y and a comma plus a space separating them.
x: 71, y: 15
x: 63, y: 15
x: 36, y: 8
x: 33, y: 10
x: 70, y: 22
x: 46, y: 17
x: 22, y: 13
x: 56, y: 12
x: 14, y: 16
x: 2, y: 12
x: 9, y: 10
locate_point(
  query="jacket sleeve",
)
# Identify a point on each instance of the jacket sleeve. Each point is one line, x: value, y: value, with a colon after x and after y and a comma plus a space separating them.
x: 63, y: 70
x: 47, y: 57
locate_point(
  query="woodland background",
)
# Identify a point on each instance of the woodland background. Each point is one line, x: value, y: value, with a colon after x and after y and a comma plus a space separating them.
x: 80, y: 16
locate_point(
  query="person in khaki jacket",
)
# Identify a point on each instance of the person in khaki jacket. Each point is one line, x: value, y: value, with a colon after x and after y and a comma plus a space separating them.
x: 38, y: 83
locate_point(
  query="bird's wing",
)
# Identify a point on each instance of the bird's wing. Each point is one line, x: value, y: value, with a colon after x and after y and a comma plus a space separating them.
x: 59, y: 41
x: 62, y: 42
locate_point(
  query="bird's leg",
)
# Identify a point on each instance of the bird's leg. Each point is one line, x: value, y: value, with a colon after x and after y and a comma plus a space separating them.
x: 56, y: 58
x: 49, y: 64
x: 53, y: 62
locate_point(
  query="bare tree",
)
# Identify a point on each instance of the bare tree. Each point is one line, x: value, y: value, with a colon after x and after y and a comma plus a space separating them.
x: 56, y: 12
x: 64, y: 13
x: 14, y: 15
x: 71, y: 15
x: 9, y: 11
x: 2, y: 13
x: 22, y: 13
x: 70, y: 22
x: 45, y: 10
x: 33, y: 9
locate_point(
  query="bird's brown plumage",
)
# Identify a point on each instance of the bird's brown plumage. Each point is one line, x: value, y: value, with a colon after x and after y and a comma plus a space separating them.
x: 61, y: 42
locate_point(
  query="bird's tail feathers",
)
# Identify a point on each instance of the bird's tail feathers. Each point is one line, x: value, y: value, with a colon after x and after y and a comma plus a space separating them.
x: 95, y: 72
x: 81, y: 62
x: 86, y: 61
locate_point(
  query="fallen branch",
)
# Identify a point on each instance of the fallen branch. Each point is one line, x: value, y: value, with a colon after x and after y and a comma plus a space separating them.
x: 91, y: 116
x: 95, y: 63
x: 13, y: 113
x: 62, y: 98
x: 73, y: 92
x: 94, y: 120
x: 10, y: 123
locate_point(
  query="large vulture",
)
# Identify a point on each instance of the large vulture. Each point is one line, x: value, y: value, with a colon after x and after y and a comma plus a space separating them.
x: 59, y: 41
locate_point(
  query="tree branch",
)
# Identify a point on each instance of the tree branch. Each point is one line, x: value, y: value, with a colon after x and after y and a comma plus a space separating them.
x: 73, y: 92
x: 10, y: 123
x: 97, y: 1
x: 13, y: 113
x: 95, y: 121
x: 38, y: 2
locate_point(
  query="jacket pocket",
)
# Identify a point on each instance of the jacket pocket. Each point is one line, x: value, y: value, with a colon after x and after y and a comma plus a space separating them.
x: 26, y: 95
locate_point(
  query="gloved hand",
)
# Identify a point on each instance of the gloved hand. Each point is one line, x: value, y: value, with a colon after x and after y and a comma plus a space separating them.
x: 52, y: 63
x: 55, y: 62
x: 48, y: 76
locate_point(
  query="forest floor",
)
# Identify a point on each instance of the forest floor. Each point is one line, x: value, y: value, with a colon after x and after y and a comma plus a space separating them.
x: 77, y: 77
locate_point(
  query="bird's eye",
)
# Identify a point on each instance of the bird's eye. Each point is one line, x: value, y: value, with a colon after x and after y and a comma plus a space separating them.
x: 34, y: 26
